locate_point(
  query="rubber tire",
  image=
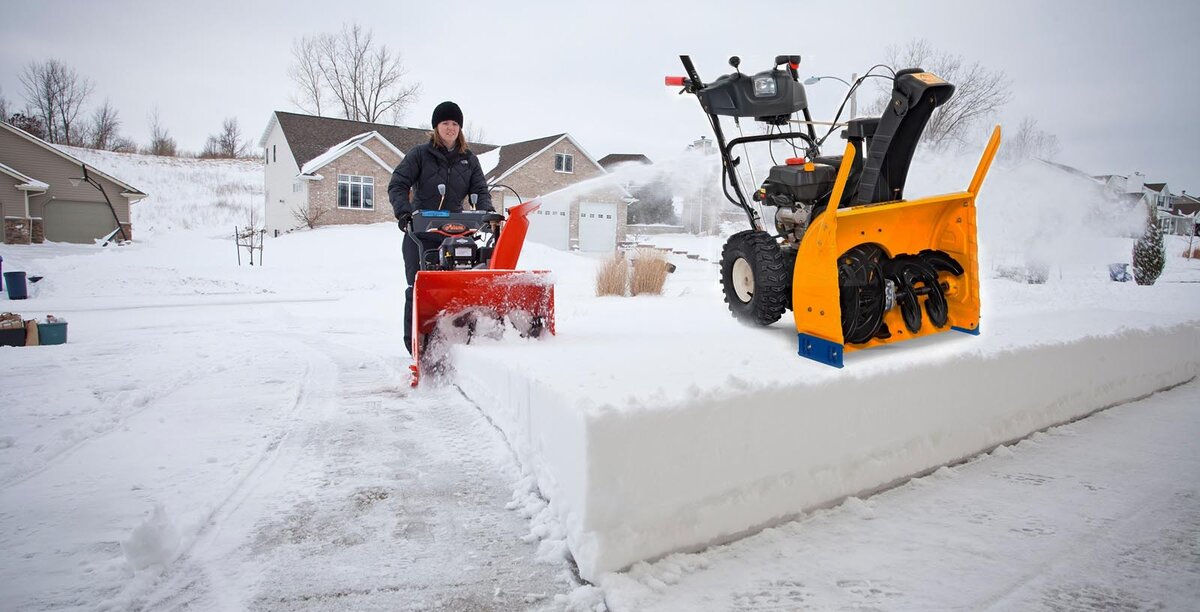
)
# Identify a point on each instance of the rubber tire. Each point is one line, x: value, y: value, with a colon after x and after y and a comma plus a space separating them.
x: 769, y: 270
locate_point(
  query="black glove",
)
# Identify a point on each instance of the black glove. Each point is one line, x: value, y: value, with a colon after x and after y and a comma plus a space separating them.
x: 403, y: 219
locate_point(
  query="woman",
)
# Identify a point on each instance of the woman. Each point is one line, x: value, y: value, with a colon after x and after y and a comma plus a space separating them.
x: 443, y: 161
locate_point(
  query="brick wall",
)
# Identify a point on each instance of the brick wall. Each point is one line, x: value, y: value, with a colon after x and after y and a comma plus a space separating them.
x: 17, y: 230
x: 322, y: 195
x: 38, y: 234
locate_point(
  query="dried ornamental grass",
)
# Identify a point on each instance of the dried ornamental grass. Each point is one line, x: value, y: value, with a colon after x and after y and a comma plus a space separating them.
x: 650, y: 270
x: 613, y: 275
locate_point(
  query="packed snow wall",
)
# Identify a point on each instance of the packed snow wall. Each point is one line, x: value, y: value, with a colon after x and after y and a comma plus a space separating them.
x: 659, y: 472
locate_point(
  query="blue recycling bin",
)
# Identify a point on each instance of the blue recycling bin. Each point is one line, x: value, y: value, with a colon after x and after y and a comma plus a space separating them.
x: 15, y: 281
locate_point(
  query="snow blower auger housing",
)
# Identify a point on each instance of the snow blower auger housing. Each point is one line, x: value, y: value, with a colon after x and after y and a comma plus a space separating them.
x: 874, y: 268
x: 470, y: 278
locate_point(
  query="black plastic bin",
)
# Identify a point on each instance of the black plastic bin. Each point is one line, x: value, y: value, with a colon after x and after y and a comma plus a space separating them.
x: 15, y: 282
x: 12, y: 337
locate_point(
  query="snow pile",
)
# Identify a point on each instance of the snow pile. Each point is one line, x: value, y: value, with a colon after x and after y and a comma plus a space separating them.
x: 211, y: 195
x: 154, y: 542
x: 635, y: 470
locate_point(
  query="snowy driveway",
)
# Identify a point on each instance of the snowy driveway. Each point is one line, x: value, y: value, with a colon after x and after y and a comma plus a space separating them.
x: 290, y: 465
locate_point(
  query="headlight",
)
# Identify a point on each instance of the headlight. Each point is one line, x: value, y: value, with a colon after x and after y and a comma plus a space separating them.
x: 764, y: 86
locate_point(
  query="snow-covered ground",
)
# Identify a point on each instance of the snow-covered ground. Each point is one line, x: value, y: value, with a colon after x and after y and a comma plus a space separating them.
x: 216, y: 437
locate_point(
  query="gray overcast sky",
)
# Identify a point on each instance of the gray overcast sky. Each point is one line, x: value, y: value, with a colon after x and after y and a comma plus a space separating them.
x: 1117, y: 82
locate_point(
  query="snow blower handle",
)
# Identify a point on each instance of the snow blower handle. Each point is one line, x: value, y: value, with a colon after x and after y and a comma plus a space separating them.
x: 441, y: 190
x: 793, y: 64
x: 474, y: 200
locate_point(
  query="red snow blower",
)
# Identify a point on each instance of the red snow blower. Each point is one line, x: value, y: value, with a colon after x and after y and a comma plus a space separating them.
x: 468, y: 284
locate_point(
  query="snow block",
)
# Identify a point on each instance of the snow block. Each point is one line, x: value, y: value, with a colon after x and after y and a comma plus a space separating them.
x: 656, y: 465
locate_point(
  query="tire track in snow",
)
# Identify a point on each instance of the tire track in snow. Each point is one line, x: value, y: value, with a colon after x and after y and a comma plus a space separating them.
x: 316, y: 388
x: 147, y: 402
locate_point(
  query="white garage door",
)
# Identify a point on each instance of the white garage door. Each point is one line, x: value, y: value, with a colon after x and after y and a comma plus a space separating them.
x: 549, y: 225
x: 597, y: 227
x: 77, y: 221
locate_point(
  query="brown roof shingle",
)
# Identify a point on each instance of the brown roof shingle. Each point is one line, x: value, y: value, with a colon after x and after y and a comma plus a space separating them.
x: 517, y: 152
x: 613, y: 159
x: 309, y: 135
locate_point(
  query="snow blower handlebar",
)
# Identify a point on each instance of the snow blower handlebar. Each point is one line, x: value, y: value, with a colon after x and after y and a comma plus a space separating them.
x: 768, y: 96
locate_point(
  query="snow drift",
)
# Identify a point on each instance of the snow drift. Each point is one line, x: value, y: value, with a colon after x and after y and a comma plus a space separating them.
x: 634, y: 480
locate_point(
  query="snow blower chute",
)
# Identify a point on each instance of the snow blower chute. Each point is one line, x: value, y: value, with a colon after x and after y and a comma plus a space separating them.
x: 469, y: 280
x: 875, y: 268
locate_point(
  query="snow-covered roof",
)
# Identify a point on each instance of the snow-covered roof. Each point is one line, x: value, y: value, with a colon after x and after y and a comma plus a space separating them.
x: 344, y: 147
x: 130, y: 191
x: 489, y: 160
x: 27, y: 183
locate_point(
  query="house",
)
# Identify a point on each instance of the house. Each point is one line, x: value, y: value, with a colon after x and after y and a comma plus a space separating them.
x: 321, y: 170
x: 1184, y: 213
x: 40, y: 202
x: 612, y: 160
x: 326, y: 171
x: 590, y: 218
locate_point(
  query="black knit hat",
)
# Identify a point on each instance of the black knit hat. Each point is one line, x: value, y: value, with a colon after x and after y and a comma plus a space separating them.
x: 447, y: 111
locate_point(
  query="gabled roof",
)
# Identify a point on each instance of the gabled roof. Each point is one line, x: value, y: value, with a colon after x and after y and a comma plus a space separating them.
x: 1156, y: 186
x: 612, y: 159
x: 130, y: 191
x: 27, y: 183
x: 344, y: 147
x: 310, y: 136
x: 513, y: 156
x: 517, y: 153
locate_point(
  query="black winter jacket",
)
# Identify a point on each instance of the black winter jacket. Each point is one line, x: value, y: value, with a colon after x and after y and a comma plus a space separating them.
x: 428, y: 165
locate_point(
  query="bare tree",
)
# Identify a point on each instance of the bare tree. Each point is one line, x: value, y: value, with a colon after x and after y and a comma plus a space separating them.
x: 161, y: 142
x: 56, y: 93
x: 3, y: 107
x: 1029, y: 142
x: 362, y: 81
x: 474, y: 133
x: 228, y: 144
x: 307, y: 215
x: 979, y: 91
x: 103, y: 131
x: 306, y: 74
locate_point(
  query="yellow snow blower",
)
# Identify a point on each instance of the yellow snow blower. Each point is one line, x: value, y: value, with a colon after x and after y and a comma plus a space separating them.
x: 874, y: 268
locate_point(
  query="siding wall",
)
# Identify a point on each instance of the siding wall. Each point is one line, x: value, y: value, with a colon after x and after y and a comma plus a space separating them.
x: 279, y: 176
x: 12, y: 200
x: 33, y: 160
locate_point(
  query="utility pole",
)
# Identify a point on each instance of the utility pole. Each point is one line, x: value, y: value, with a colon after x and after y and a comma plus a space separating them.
x: 853, y: 96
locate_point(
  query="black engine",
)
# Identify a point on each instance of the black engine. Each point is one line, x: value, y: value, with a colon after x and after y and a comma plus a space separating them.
x: 466, y: 238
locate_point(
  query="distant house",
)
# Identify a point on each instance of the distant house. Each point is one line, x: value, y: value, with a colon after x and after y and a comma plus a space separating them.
x: 592, y: 220
x: 335, y: 171
x: 39, y: 201
x: 327, y: 171
x: 1185, y: 211
x: 612, y: 160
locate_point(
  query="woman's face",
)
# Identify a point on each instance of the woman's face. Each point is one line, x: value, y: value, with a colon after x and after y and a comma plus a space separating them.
x: 448, y: 131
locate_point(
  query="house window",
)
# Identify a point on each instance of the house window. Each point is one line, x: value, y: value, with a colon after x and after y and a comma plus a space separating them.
x: 564, y: 162
x: 297, y: 187
x: 274, y: 153
x: 356, y: 192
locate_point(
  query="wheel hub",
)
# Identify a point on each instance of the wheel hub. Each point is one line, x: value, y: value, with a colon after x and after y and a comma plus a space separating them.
x: 743, y: 280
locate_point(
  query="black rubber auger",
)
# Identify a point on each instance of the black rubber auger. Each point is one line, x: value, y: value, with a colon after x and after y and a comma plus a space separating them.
x: 863, y: 272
